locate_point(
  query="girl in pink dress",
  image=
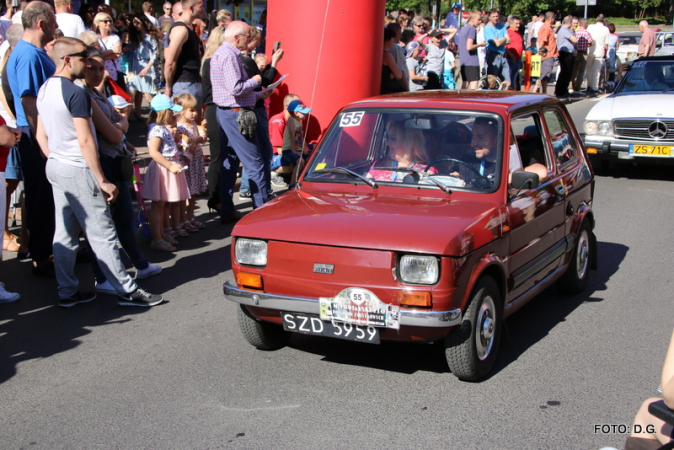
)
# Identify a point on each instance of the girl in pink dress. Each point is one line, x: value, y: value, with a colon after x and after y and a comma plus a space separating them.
x: 164, y: 179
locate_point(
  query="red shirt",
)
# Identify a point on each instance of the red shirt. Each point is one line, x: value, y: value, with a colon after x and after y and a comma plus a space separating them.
x: 4, y: 151
x: 277, y: 125
x: 516, y: 43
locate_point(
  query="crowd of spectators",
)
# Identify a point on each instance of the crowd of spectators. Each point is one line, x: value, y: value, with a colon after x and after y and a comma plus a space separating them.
x: 205, y: 78
x: 486, y: 51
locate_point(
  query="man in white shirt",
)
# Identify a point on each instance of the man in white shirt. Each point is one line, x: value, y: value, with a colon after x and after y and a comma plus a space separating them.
x: 70, y: 24
x: 148, y: 9
x: 596, y: 53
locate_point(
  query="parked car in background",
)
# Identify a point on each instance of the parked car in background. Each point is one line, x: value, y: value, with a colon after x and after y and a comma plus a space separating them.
x: 427, y: 216
x: 636, y: 122
x: 629, y: 44
x: 665, y: 43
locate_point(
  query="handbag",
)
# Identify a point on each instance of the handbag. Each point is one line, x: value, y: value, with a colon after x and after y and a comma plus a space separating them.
x: 123, y: 168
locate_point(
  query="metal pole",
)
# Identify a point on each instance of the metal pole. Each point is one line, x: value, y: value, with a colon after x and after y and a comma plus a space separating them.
x: 586, y: 1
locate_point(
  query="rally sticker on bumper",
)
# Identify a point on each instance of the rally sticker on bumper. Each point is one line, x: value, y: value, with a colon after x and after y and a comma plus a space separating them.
x: 360, y: 307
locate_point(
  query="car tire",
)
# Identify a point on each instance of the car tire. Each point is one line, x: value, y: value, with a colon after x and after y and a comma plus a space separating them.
x: 471, y: 348
x: 261, y: 335
x: 575, y: 278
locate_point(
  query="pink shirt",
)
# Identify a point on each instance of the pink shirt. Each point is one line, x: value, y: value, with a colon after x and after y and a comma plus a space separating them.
x: 647, y: 43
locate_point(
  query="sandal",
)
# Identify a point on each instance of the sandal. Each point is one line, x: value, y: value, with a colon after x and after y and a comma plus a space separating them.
x: 180, y: 232
x: 162, y: 246
x: 189, y: 227
x: 198, y: 224
x: 11, y: 244
x: 168, y: 231
x: 170, y: 239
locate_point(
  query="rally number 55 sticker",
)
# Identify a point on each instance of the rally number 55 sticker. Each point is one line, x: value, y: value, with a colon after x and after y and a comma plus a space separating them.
x: 351, y: 119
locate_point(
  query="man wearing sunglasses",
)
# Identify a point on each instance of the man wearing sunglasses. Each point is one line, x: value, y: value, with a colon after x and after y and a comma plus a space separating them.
x: 81, y: 192
x: 166, y: 20
x: 28, y: 67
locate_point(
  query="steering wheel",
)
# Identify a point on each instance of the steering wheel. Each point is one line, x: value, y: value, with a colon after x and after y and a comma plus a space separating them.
x: 479, y: 181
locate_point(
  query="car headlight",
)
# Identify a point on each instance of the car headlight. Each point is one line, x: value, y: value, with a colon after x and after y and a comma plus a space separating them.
x: 419, y: 269
x: 251, y: 252
x: 590, y: 127
x: 604, y: 128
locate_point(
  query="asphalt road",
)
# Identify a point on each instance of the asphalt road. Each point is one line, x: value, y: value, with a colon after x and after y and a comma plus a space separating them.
x: 181, y: 376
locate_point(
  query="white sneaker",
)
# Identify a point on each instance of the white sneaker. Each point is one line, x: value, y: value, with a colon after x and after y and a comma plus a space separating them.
x: 105, y: 288
x: 147, y: 272
x: 7, y: 297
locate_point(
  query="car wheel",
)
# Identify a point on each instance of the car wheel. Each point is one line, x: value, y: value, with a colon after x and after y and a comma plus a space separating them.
x: 261, y: 335
x: 575, y: 278
x: 472, y: 346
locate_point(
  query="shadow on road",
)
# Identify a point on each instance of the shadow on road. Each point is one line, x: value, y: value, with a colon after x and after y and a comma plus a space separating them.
x: 36, y: 327
x: 626, y: 169
x: 524, y: 329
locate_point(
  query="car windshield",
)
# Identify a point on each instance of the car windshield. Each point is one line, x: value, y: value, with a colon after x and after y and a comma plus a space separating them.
x: 648, y: 76
x: 436, y: 149
x: 630, y: 39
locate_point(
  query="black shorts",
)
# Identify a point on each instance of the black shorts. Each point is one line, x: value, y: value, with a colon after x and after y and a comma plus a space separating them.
x: 470, y: 73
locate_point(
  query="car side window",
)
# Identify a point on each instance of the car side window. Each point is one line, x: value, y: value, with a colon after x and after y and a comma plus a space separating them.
x: 563, y: 145
x: 529, y: 137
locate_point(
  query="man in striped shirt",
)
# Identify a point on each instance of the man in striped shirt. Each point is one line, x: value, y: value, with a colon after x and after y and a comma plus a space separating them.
x: 584, y: 41
x: 234, y: 93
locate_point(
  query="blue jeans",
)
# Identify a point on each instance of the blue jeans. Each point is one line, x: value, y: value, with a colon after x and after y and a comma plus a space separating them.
x: 497, y: 65
x: 262, y: 131
x: 515, y: 67
x: 239, y: 147
x: 123, y: 216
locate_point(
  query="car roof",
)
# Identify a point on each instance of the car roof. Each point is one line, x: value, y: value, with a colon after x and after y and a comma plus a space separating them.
x: 629, y: 33
x: 656, y: 58
x: 463, y: 99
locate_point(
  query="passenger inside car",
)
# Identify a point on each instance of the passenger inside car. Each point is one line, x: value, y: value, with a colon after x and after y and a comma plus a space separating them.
x: 406, y: 148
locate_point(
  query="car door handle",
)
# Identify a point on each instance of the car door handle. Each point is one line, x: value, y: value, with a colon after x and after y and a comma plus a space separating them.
x: 561, y: 190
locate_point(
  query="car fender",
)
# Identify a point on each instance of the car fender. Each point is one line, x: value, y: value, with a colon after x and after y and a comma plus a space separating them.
x: 489, y: 264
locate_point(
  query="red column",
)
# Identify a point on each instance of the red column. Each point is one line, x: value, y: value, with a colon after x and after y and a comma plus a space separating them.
x: 333, y: 53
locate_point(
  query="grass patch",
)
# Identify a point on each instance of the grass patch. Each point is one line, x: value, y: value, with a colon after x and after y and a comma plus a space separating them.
x: 625, y: 21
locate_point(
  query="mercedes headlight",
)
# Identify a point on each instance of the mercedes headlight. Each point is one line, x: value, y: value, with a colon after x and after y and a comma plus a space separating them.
x: 590, y: 127
x: 604, y: 128
x: 419, y: 269
x: 251, y: 252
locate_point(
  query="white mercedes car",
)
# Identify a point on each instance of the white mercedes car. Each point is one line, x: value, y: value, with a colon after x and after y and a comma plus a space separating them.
x: 636, y: 121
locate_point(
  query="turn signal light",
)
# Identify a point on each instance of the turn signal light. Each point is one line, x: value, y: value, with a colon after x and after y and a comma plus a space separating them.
x: 415, y: 298
x: 592, y: 150
x: 249, y: 280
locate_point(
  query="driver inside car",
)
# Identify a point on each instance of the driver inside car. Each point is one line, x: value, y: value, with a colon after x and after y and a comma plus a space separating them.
x: 406, y: 149
x: 484, y: 143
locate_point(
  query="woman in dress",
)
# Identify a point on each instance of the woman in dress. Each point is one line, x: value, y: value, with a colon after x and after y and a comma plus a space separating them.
x: 142, y: 76
x: 111, y: 45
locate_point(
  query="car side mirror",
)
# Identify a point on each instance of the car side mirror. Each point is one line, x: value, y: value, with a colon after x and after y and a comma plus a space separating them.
x: 522, y: 180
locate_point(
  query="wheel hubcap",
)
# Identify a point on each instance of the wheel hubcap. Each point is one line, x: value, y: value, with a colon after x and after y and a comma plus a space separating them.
x: 583, y: 255
x: 485, y: 328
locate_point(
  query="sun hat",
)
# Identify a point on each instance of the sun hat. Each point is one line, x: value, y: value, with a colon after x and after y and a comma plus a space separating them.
x: 118, y: 101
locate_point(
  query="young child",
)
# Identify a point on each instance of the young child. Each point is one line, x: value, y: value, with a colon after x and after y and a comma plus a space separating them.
x: 261, y: 61
x: 164, y: 179
x: 194, y: 157
x: 287, y: 137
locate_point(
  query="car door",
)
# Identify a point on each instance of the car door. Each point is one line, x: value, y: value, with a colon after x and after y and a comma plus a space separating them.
x: 535, y: 216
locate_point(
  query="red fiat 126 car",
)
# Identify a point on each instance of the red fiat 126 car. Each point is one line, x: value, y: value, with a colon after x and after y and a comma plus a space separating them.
x: 421, y: 217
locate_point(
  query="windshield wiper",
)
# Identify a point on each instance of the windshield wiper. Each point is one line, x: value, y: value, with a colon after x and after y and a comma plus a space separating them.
x: 420, y: 173
x: 346, y: 171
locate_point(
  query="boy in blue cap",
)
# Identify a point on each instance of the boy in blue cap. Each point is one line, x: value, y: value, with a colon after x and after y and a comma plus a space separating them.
x: 287, y: 137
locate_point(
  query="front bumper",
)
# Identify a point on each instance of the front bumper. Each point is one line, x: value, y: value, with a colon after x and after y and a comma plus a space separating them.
x: 610, y: 148
x: 412, y: 318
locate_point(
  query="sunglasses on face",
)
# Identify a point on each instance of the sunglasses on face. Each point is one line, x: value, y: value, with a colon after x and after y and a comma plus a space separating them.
x: 106, y: 21
x: 82, y: 54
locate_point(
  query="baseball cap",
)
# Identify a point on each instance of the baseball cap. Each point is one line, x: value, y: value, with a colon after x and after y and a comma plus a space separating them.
x: 411, y: 47
x: 296, y: 106
x: 436, y: 33
x: 118, y: 101
x: 161, y: 102
x: 456, y: 5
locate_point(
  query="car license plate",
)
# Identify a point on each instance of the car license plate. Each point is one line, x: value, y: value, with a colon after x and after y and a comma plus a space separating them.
x: 312, y: 324
x: 652, y: 150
